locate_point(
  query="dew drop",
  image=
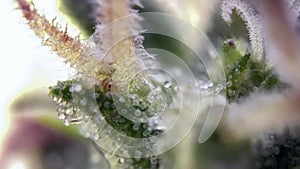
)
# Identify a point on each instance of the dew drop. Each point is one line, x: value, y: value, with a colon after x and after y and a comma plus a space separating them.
x: 115, y: 143
x: 145, y: 126
x: 76, y: 88
x: 237, y: 71
x: 229, y: 84
x: 95, y: 95
x: 107, y: 132
x: 69, y: 111
x: 124, y: 149
x: 276, y: 150
x: 124, y: 111
x: 203, y: 86
x: 143, y: 105
x: 95, y: 136
x: 231, y: 93
x: 146, y: 133
x: 83, y: 102
x: 137, y: 112
x: 219, y: 88
x: 71, y: 89
x: 61, y: 116
x: 86, y: 116
x: 121, y: 160
x: 107, y: 104
x: 153, y: 122
x: 59, y: 100
x: 133, y: 96
x: 60, y: 108
x: 176, y: 89
x: 168, y: 84
x: 210, y: 84
x: 55, y: 99
x: 108, y: 94
x: 67, y: 121
x: 136, y: 127
x: 153, y: 160
x: 122, y: 99
x: 271, y: 136
x: 137, y: 154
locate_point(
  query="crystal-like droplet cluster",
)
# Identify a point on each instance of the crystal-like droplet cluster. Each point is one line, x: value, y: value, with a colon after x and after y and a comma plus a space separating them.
x: 245, y: 75
x: 93, y: 107
x: 208, y: 88
x: 62, y: 95
x: 278, y: 150
x: 76, y: 103
x: 145, y: 96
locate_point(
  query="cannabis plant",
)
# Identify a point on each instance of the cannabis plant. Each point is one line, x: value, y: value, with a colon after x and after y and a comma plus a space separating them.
x: 135, y: 102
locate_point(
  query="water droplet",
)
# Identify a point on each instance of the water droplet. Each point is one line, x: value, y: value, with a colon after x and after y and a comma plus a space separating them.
x: 271, y: 136
x: 121, y: 160
x: 95, y: 95
x: 143, y: 105
x: 55, y: 99
x: 76, y: 88
x: 137, y: 112
x: 219, y: 88
x: 154, y: 122
x: 69, y: 111
x: 107, y: 132
x: 168, y: 84
x: 59, y: 100
x: 83, y: 102
x: 147, y: 133
x: 153, y: 160
x: 229, y: 84
x: 136, y: 127
x: 176, y: 89
x: 61, y: 116
x: 124, y: 111
x: 95, y: 136
x: 210, y: 84
x: 108, y: 94
x: 137, y: 154
x: 115, y: 143
x: 237, y: 71
x: 61, y: 108
x: 124, y: 149
x: 276, y: 150
x: 231, y: 93
x: 67, y: 121
x: 107, y: 104
x: 133, y: 96
x: 154, y: 145
x: 122, y: 99
x: 145, y: 126
x: 71, y: 89
x: 101, y: 117
x: 203, y: 86
x: 86, y: 116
